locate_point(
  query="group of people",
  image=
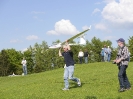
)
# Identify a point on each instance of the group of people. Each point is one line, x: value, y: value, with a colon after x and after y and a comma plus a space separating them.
x: 106, y: 54
x: 121, y: 61
x: 82, y: 55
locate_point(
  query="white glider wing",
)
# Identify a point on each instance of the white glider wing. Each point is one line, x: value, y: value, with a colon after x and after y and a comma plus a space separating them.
x: 70, y: 39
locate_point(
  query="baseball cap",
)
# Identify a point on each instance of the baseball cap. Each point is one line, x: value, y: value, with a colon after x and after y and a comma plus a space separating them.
x: 121, y: 40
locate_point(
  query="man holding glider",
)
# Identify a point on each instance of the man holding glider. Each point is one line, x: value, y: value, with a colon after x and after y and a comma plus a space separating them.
x: 69, y: 68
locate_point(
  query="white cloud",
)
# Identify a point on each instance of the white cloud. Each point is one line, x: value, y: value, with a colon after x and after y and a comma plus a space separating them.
x: 96, y: 11
x: 52, y: 32
x: 98, y: 3
x: 64, y: 27
x: 110, y: 38
x: 32, y: 37
x: 108, y: 1
x: 35, y: 12
x: 119, y: 12
x: 100, y: 26
x: 105, y: 1
x: 15, y: 41
x: 37, y: 18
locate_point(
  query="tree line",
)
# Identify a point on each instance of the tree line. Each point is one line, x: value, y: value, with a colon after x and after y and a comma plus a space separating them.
x: 40, y: 58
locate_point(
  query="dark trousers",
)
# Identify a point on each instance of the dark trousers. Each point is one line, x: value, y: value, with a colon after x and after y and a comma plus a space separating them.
x: 122, y: 76
x: 81, y: 60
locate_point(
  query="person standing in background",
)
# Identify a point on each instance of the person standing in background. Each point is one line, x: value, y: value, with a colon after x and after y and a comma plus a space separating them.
x: 24, y: 62
x: 105, y: 53
x: 109, y: 53
x: 102, y: 54
x: 86, y: 55
x: 80, y: 56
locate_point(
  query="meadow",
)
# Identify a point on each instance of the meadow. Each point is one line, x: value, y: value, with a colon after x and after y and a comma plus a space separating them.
x: 99, y: 81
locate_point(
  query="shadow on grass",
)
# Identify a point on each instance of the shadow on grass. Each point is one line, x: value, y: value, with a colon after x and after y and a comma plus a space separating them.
x: 74, y: 84
x: 90, y: 97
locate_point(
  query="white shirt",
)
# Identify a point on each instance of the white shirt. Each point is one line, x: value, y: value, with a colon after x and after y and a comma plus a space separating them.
x: 81, y: 54
x: 24, y: 62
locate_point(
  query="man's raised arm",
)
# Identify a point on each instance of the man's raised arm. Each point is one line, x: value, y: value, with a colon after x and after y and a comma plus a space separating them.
x: 60, y: 52
x: 68, y: 46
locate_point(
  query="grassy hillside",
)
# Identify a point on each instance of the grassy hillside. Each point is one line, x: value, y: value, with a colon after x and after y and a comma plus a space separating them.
x: 99, y: 81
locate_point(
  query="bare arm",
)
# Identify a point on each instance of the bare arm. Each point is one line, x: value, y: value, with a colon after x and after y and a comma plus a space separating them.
x: 68, y: 46
x: 60, y: 52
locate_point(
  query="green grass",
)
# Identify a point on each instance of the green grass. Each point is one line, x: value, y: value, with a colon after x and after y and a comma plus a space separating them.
x: 99, y: 81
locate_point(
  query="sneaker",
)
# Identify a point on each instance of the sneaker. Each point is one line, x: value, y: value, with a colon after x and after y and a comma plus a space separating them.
x: 65, y: 89
x: 79, y: 82
x: 121, y: 90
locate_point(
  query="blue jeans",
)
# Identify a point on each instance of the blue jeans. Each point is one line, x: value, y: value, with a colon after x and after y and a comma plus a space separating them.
x: 105, y: 57
x: 68, y: 74
x: 86, y: 59
x: 123, y: 79
x: 109, y: 56
x: 25, y: 69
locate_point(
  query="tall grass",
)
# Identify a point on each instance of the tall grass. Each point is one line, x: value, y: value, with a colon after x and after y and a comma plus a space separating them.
x: 99, y: 81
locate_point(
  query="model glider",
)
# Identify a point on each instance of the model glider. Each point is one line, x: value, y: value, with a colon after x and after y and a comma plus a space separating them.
x: 80, y: 35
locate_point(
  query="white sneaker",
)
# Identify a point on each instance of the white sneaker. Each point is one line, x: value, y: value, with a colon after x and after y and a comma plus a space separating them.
x: 65, y: 89
x: 79, y: 82
x: 65, y: 66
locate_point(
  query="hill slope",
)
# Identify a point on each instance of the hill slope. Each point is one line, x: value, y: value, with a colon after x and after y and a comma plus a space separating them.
x: 99, y: 81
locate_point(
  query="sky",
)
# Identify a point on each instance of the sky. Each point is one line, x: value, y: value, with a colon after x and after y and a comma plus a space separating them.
x: 26, y: 22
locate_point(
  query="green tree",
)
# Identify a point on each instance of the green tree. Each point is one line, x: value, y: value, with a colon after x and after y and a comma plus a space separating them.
x: 15, y: 58
x: 94, y: 47
x: 130, y: 41
x: 56, y: 42
x: 39, y: 57
x: 4, y: 63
